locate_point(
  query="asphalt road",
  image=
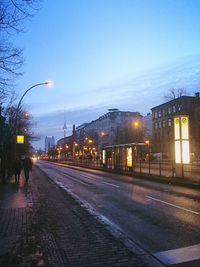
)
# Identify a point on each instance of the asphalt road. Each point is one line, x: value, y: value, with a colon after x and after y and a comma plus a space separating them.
x: 159, y: 217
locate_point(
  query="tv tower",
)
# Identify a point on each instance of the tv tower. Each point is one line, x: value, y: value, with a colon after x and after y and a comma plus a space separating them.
x: 64, y: 126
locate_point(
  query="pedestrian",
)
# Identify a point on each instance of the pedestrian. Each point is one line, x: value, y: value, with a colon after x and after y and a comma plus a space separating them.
x: 17, y: 167
x: 3, y: 168
x: 27, y: 165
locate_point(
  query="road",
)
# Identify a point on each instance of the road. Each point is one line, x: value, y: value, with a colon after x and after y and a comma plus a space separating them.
x: 161, y: 218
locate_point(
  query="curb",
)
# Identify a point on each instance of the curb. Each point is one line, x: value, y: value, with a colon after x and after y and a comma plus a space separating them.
x: 159, y: 179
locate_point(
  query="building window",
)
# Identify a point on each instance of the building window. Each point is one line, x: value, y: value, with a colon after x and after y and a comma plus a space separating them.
x: 159, y: 124
x: 156, y: 125
x: 169, y: 110
x: 163, y: 124
x: 163, y: 112
x: 174, y: 108
x: 169, y: 122
x: 156, y: 115
x: 159, y: 113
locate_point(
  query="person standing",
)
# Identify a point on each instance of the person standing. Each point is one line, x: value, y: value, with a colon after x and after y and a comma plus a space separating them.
x: 3, y: 168
x: 27, y: 165
x: 17, y: 167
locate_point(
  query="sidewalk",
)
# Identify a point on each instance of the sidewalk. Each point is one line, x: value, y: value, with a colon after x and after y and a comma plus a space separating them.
x: 42, y: 225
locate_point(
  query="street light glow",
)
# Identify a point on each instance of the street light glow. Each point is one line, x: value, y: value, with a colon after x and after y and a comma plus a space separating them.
x: 49, y: 83
x: 136, y: 124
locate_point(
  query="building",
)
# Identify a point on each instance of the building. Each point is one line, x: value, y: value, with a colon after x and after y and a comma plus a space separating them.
x: 114, y: 127
x: 147, y: 124
x: 49, y: 143
x: 163, y: 125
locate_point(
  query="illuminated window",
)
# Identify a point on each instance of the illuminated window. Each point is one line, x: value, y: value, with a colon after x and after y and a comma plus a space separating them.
x: 174, y: 108
x: 169, y: 122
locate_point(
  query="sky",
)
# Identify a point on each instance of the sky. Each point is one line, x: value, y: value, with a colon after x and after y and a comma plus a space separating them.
x: 105, y: 54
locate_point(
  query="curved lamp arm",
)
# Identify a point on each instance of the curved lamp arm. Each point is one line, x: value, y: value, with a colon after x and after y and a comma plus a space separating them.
x: 38, y: 84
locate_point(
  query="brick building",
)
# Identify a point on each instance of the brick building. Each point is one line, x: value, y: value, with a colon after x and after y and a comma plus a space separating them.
x: 163, y: 128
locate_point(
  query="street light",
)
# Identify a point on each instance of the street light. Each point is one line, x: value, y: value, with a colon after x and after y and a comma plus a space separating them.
x: 48, y: 83
x: 136, y: 124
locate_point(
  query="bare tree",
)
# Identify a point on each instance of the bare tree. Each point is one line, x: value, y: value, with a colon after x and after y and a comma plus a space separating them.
x: 12, y: 15
x: 174, y: 93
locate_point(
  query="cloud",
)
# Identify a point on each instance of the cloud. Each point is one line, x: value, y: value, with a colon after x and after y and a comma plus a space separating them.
x: 138, y: 93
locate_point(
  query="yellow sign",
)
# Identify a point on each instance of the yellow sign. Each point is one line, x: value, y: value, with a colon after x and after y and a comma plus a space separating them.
x: 20, y: 139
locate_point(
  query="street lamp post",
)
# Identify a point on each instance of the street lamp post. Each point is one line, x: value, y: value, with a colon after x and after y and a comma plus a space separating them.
x: 147, y: 142
x: 38, y: 84
x: 48, y: 83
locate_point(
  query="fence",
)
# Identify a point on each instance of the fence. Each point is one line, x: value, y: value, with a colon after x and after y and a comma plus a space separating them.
x: 188, y: 171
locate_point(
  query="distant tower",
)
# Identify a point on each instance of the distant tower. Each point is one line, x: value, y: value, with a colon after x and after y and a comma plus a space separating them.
x: 49, y: 143
x: 64, y: 126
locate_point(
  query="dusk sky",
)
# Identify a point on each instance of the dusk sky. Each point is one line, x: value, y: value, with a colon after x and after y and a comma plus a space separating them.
x: 104, y: 54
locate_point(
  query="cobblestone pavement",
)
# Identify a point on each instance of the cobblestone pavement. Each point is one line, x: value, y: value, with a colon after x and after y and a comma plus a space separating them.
x: 42, y: 225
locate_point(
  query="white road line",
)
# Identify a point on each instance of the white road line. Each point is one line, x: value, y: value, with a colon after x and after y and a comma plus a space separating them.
x: 175, y: 206
x: 180, y: 255
x: 78, y: 181
x: 87, y: 177
x: 110, y: 184
x: 94, y: 179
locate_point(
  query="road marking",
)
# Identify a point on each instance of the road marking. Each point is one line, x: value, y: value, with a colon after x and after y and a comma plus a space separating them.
x: 180, y: 255
x: 76, y: 180
x: 175, y: 206
x: 110, y: 184
x: 87, y: 177
x: 94, y: 179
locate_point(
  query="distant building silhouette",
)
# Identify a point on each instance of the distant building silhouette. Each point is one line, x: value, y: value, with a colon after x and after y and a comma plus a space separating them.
x: 49, y: 142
